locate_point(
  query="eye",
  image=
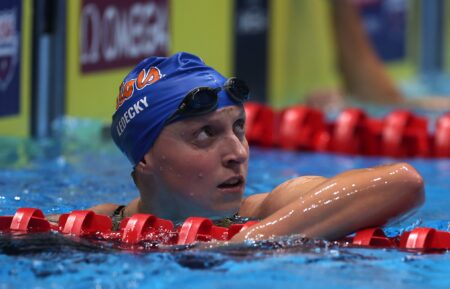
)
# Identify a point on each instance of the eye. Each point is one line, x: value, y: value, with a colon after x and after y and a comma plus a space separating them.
x: 205, y: 133
x: 239, y: 126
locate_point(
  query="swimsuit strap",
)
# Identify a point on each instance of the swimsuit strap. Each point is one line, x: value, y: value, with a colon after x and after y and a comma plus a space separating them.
x: 117, y: 217
x: 228, y: 221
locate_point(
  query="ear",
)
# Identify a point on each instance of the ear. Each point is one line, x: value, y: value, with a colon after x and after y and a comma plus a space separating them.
x: 144, y: 177
x: 146, y: 164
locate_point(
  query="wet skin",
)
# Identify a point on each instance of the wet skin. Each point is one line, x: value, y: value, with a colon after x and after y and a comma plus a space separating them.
x: 333, y: 208
x: 198, y: 167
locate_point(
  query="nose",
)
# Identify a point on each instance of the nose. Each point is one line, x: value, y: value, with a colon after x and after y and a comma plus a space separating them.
x: 235, y: 151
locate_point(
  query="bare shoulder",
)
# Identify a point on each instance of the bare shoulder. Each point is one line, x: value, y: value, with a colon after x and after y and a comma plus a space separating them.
x: 304, y: 183
x: 250, y: 205
x: 104, y: 209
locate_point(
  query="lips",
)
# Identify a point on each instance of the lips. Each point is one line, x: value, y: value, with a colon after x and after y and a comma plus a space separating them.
x: 232, y: 183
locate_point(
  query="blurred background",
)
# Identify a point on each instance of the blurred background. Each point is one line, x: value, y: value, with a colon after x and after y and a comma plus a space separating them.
x: 68, y: 58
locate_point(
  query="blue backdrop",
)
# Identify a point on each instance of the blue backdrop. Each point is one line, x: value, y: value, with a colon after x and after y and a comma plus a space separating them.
x: 385, y: 23
x: 10, y: 32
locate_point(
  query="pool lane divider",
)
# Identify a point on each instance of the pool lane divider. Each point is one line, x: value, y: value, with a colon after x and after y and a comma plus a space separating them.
x: 149, y: 228
x: 399, y: 134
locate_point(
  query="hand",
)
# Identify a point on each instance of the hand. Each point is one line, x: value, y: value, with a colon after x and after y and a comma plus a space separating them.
x: 326, y: 100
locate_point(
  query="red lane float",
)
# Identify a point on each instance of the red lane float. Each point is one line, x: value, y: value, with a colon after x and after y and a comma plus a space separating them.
x: 373, y: 237
x: 196, y: 229
x: 146, y: 227
x: 142, y: 227
x: 399, y: 134
x: 260, y: 122
x: 425, y: 238
x: 236, y: 228
x: 355, y: 133
x: 202, y: 229
x: 442, y: 137
x: 405, y: 135
x: 25, y: 220
x: 300, y: 128
x: 84, y: 223
x: 133, y: 230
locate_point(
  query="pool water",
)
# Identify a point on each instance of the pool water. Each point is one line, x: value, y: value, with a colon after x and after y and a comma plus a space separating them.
x: 80, y: 168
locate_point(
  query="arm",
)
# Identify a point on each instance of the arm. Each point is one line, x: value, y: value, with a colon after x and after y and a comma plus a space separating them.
x: 262, y: 205
x: 345, y: 203
x: 364, y: 74
x: 108, y: 209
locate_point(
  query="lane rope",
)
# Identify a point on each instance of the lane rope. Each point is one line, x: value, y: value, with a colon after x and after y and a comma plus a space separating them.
x: 149, y: 228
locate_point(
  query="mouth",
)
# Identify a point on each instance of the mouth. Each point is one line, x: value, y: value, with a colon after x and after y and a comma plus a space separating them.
x: 232, y: 184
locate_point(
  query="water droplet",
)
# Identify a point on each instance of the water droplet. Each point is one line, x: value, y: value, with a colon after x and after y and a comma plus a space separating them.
x: 17, y: 198
x: 61, y: 161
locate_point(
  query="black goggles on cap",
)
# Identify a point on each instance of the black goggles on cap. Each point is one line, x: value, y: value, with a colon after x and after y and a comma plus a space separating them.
x: 202, y: 100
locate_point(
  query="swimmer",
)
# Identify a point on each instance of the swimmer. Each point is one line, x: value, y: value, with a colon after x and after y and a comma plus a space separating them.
x: 182, y: 126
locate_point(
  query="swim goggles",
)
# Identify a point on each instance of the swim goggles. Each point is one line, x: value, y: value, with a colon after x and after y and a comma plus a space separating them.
x: 202, y: 100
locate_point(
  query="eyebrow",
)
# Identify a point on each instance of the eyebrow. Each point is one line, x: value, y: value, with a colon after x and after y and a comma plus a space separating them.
x: 211, y: 117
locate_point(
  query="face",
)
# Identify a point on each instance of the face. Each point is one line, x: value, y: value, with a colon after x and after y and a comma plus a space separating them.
x: 201, y: 162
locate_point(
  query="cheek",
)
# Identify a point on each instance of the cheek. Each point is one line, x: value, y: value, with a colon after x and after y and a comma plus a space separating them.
x: 189, y: 173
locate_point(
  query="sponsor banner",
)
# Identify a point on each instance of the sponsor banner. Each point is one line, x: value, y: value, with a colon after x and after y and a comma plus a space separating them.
x: 385, y: 23
x: 117, y: 33
x: 251, y: 45
x: 10, y: 29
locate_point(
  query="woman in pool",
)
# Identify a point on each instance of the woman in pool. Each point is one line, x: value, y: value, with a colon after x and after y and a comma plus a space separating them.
x: 182, y: 126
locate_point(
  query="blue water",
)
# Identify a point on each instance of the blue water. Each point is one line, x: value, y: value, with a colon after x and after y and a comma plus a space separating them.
x: 80, y: 169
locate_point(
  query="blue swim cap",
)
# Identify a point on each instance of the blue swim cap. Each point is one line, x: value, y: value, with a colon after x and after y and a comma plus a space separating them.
x: 151, y: 93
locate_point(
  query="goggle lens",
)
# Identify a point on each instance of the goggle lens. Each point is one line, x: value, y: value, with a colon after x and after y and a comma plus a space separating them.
x: 237, y: 89
x: 202, y: 100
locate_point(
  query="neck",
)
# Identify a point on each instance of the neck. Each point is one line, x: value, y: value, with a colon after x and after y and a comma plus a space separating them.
x: 163, y: 205
x: 167, y: 206
x: 154, y: 198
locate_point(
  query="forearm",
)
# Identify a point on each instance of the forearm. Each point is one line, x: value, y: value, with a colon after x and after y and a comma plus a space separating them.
x: 293, y: 190
x: 344, y: 204
x: 363, y: 73
x: 439, y: 103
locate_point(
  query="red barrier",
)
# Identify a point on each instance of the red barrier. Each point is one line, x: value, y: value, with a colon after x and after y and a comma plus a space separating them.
x: 25, y: 220
x: 373, y: 237
x: 260, y: 122
x: 348, y: 130
x: 425, y: 238
x: 202, y: 229
x: 301, y: 128
x: 145, y: 227
x: 236, y: 228
x: 399, y: 134
x: 355, y: 133
x: 195, y: 229
x: 441, y: 146
x: 84, y: 223
x: 405, y: 135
